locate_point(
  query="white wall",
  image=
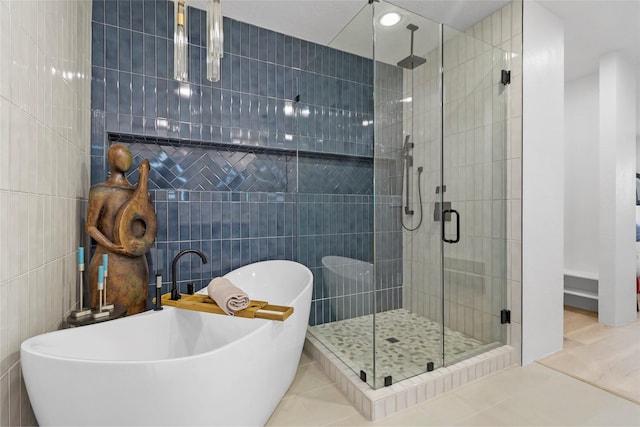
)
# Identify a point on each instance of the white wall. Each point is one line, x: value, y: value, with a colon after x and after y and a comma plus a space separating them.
x: 45, y: 65
x: 581, y: 174
x: 543, y: 182
x: 638, y: 140
x: 617, y: 166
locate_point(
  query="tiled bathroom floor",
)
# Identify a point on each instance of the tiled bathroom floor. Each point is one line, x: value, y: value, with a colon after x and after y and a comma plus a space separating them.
x: 534, y: 395
x: 405, y: 342
x: 589, y: 353
x: 518, y: 396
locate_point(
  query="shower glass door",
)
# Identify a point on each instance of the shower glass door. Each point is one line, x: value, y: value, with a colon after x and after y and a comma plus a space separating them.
x: 473, y: 196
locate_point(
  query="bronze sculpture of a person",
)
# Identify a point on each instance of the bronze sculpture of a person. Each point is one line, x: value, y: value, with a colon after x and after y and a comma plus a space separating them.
x: 121, y: 220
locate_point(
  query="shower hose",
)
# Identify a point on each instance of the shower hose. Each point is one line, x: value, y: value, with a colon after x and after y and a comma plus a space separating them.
x: 419, y: 201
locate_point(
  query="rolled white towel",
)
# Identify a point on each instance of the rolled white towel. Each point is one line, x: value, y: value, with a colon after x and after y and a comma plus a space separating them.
x: 228, y: 296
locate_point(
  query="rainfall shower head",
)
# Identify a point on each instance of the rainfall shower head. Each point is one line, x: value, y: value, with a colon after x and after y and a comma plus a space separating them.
x: 412, y: 61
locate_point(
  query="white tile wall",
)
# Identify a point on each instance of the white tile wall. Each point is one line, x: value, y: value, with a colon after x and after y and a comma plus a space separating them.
x: 45, y: 64
x: 484, y: 148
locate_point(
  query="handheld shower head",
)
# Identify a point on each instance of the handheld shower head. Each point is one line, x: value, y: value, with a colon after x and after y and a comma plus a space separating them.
x: 407, y: 145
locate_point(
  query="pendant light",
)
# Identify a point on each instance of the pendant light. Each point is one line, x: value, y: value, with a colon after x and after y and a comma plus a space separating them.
x: 215, y: 39
x: 180, y: 42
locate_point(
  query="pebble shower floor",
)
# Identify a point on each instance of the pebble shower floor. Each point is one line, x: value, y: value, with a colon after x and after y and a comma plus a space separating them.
x: 405, y: 341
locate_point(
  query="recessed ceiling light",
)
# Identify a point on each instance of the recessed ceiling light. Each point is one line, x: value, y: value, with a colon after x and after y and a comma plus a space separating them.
x: 390, y: 18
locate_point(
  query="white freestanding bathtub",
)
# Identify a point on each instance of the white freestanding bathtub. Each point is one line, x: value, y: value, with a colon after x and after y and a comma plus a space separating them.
x: 174, y: 367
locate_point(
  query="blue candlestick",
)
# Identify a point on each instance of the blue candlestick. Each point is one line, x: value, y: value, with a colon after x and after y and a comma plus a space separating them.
x: 101, y: 274
x: 80, y: 255
x: 105, y: 262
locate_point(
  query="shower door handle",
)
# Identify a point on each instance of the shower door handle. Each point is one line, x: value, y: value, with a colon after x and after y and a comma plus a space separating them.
x: 443, y: 222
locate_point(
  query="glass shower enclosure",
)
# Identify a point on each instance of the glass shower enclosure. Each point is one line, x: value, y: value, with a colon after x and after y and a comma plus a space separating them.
x: 428, y: 288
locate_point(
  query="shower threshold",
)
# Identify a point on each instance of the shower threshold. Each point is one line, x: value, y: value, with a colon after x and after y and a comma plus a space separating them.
x: 333, y: 351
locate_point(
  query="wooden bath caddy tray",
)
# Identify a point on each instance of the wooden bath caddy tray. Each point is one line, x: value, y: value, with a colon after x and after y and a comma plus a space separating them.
x: 256, y: 309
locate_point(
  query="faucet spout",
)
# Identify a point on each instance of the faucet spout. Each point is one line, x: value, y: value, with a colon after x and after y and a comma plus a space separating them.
x: 175, y: 294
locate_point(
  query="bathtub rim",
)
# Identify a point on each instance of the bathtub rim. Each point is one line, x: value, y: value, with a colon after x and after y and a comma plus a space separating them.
x: 26, y: 347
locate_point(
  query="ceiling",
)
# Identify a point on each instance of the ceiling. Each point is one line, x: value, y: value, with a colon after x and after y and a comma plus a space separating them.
x: 320, y: 21
x: 346, y: 24
x: 592, y: 28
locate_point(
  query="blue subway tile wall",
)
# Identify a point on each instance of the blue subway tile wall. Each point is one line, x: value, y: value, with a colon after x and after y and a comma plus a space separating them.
x: 179, y: 164
x: 176, y: 165
x: 288, y: 93
x: 225, y: 226
x: 342, y: 226
x: 274, y: 161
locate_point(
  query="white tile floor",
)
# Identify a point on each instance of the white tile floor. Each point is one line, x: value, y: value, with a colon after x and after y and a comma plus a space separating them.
x: 519, y: 396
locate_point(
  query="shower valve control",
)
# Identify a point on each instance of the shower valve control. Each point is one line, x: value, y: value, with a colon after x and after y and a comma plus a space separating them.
x: 437, y: 212
x: 505, y: 316
x: 505, y: 77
